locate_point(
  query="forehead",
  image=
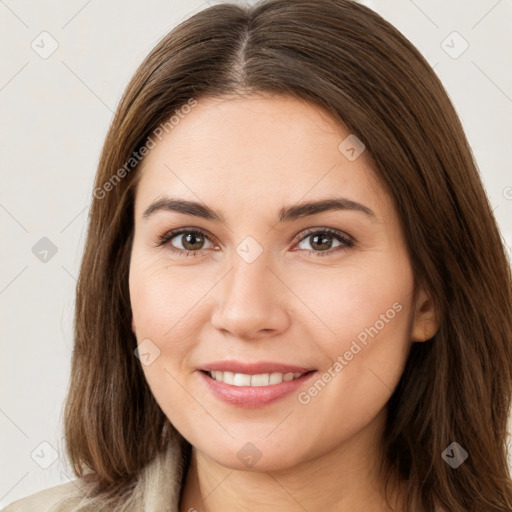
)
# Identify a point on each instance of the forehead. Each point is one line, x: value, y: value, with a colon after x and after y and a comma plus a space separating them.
x: 256, y: 151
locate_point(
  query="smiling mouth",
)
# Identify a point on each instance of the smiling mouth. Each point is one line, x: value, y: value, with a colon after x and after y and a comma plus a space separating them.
x: 258, y: 380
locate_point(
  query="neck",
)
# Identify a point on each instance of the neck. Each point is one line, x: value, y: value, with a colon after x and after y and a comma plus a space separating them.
x: 342, y: 480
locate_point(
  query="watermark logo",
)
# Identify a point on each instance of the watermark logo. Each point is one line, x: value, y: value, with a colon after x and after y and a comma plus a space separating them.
x: 249, y: 249
x: 44, y: 250
x: 249, y: 455
x: 44, y: 454
x: 147, y: 352
x: 44, y: 45
x: 351, y: 147
x: 454, y: 45
x: 454, y: 455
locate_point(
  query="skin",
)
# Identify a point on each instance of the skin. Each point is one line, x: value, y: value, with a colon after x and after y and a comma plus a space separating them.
x: 246, y: 158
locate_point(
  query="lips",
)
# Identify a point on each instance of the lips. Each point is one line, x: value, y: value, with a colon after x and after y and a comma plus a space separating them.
x: 253, y: 396
x: 254, y: 368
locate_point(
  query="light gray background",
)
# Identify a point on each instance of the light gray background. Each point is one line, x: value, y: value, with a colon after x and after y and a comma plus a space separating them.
x: 55, y: 113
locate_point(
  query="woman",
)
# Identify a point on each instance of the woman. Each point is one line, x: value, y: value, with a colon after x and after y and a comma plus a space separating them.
x: 294, y: 294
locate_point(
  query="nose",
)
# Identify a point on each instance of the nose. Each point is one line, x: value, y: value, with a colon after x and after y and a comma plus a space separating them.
x: 251, y: 301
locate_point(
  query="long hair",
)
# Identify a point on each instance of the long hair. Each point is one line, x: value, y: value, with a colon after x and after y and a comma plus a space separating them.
x: 347, y: 60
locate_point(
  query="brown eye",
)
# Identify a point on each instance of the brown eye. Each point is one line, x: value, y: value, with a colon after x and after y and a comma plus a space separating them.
x: 187, y: 240
x: 190, y: 242
x: 321, y: 241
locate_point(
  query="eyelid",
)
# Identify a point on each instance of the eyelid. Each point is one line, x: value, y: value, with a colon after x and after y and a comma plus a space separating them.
x: 322, y: 229
x: 348, y: 240
x: 172, y: 233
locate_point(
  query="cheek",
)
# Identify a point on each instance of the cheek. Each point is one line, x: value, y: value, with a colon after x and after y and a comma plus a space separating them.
x: 167, y: 309
x: 151, y: 306
x: 367, y: 311
x: 161, y: 300
x: 361, y: 331
x: 160, y: 295
x: 345, y: 301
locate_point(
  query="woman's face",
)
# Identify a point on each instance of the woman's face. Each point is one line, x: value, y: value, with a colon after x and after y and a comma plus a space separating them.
x: 254, y: 278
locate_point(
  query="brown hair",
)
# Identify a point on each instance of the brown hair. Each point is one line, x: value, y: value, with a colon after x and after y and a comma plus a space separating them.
x: 346, y: 59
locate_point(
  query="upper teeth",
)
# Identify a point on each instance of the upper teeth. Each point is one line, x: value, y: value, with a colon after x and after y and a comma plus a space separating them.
x: 262, y: 379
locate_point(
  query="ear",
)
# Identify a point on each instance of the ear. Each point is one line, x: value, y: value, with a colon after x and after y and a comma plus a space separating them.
x: 133, y: 327
x: 425, y: 322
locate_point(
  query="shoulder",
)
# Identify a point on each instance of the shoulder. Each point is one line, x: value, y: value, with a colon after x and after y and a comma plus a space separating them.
x: 59, y: 498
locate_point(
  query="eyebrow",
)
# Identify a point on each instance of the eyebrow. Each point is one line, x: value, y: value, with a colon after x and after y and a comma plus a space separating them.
x: 286, y: 214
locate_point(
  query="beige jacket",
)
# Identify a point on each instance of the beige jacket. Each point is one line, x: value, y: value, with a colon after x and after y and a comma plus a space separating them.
x: 157, y: 490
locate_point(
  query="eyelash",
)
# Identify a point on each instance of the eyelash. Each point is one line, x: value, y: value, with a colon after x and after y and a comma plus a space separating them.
x: 347, y: 241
